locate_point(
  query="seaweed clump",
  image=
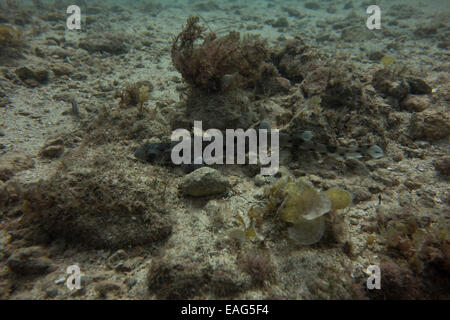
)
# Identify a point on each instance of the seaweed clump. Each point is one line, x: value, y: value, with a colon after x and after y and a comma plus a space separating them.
x: 417, y: 258
x: 258, y: 266
x: 135, y: 94
x: 215, y: 63
x: 303, y: 207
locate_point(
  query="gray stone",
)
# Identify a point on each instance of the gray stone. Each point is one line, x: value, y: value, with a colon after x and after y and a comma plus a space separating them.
x: 204, y: 182
x: 30, y: 261
x: 105, y: 287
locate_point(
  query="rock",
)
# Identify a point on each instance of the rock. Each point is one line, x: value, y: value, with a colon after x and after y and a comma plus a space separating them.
x: 30, y: 77
x: 443, y: 167
x: 131, y: 282
x: 12, y: 163
x: 331, y: 9
x: 181, y: 276
x: 355, y: 33
x: 430, y: 125
x: 30, y: 261
x: 62, y: 70
x: 419, y: 86
x: 426, y: 31
x: 107, y: 210
x: 312, y: 5
x: 93, y: 10
x: 361, y: 194
x: 51, y: 292
x: 53, y: 16
x: 207, y: 6
x: 412, y: 184
x: 280, y: 23
x: 105, y: 287
x: 61, y: 53
x: 79, y: 76
x: 39, y: 52
x: 397, y: 89
x: 293, y: 12
x: 41, y: 76
x: 260, y: 180
x: 416, y: 103
x: 129, y: 265
x: 113, y: 45
x: 349, y: 5
x: 86, y: 280
x: 53, y: 149
x: 24, y: 73
x: 114, y: 260
x: 9, y: 193
x: 281, y: 85
x: 204, y: 182
x: 375, y: 55
x: 4, y: 102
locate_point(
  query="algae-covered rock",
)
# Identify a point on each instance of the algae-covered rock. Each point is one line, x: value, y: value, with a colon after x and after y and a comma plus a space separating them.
x: 96, y: 208
x: 204, y: 182
x: 419, y: 86
x: 416, y: 103
x: 52, y: 149
x: 110, y: 43
x: 179, y: 276
x: 30, y: 261
x: 32, y: 78
x: 430, y: 125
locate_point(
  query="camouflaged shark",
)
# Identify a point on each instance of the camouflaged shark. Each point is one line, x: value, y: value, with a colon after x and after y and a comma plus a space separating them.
x: 160, y: 153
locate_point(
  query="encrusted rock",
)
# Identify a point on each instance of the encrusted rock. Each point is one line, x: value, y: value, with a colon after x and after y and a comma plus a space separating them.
x: 416, y: 103
x: 62, y: 70
x: 12, y: 163
x: 53, y: 149
x: 30, y: 261
x: 430, y: 125
x: 32, y: 78
x: 419, y: 86
x: 113, y: 45
x: 443, y: 167
x: 106, y: 287
x: 175, y: 276
x: 204, y: 182
x: 115, y: 259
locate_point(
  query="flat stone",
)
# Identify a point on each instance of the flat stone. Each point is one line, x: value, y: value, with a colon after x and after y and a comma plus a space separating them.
x: 30, y: 261
x: 204, y: 182
x: 416, y: 103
